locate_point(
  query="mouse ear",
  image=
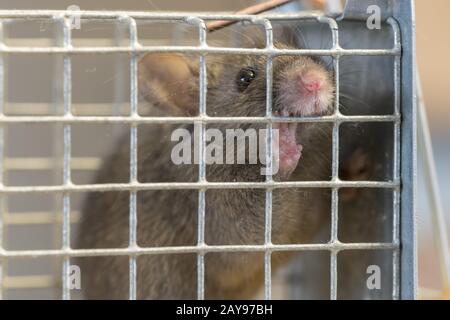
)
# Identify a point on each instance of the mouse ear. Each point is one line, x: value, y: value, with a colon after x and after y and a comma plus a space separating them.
x: 169, y: 82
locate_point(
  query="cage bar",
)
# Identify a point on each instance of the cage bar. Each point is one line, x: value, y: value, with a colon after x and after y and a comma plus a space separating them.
x: 67, y: 99
x: 206, y: 119
x: 133, y: 155
x: 396, y: 164
x: 3, y: 261
x: 196, y: 186
x: 403, y: 13
x: 269, y: 161
x: 335, y: 162
x: 203, y: 86
x: 197, y: 249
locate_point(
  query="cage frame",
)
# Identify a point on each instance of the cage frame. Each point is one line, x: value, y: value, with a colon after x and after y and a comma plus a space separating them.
x: 399, y: 14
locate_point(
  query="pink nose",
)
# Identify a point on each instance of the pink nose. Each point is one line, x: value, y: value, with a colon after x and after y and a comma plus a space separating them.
x: 312, y: 82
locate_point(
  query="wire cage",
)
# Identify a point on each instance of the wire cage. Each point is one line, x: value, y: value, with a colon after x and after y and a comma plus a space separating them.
x: 50, y: 139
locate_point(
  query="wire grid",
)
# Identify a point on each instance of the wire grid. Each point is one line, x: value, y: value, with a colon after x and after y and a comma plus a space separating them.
x: 334, y: 246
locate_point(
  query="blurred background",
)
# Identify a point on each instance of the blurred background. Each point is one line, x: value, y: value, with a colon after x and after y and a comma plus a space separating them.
x: 434, y: 71
x: 432, y: 51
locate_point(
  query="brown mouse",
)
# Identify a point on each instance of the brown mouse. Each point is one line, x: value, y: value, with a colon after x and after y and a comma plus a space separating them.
x: 302, y: 86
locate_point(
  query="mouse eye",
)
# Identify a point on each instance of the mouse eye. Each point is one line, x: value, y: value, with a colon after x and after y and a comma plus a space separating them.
x: 245, y: 77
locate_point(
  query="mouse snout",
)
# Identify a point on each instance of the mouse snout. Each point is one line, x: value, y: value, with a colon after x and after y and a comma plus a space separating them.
x: 305, y: 91
x: 311, y: 82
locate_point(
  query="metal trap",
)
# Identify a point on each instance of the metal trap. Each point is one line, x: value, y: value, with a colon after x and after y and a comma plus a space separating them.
x: 55, y: 128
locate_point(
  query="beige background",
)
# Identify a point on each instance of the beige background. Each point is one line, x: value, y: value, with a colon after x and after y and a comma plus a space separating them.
x: 433, y: 50
x: 433, y: 47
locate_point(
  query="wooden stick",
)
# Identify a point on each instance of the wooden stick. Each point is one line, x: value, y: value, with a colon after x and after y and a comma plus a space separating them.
x: 255, y: 9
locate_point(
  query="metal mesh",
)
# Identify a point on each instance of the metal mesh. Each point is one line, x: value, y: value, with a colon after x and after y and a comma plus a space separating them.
x: 134, y: 49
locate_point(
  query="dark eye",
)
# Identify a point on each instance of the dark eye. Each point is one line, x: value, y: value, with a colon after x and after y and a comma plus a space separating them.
x: 245, y: 77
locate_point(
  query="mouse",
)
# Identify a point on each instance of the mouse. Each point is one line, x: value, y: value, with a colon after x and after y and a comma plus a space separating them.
x: 168, y: 83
